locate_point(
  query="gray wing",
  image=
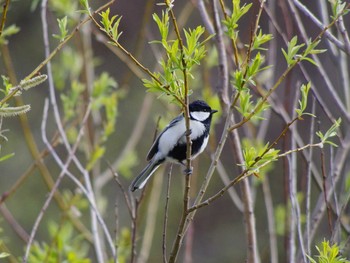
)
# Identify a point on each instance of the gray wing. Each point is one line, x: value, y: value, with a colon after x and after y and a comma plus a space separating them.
x: 154, y: 147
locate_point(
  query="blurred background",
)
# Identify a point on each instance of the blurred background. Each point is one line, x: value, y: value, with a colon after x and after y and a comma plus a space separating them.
x: 125, y: 118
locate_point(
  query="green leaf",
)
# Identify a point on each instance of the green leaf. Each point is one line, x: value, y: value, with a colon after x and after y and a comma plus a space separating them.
x: 163, y: 25
x: 261, y: 39
x: 111, y: 24
x: 291, y: 54
x: 303, y: 102
x: 128, y: 162
x: 62, y: 25
x: 7, y: 32
x: 7, y: 156
x: 4, y: 255
x: 96, y: 155
x: 332, y: 131
x: 231, y: 22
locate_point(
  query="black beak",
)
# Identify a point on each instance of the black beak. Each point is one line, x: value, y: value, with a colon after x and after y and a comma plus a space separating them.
x: 213, y: 111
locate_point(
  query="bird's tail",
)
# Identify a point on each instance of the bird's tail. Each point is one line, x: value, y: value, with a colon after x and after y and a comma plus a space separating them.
x: 140, y: 181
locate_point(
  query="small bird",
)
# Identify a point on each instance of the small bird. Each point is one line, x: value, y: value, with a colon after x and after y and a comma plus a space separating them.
x: 171, y: 144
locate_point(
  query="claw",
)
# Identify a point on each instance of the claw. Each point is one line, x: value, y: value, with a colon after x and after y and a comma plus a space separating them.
x: 188, y: 171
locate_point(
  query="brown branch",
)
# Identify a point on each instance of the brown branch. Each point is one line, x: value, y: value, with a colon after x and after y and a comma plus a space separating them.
x: 165, y: 224
x: 4, y: 14
x: 324, y: 180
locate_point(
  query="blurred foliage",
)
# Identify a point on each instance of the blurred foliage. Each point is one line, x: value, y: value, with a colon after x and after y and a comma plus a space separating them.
x: 66, y: 246
x: 328, y: 254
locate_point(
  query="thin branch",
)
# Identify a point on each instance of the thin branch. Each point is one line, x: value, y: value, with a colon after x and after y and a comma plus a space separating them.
x: 4, y: 14
x: 133, y: 59
x: 166, y: 214
x: 54, y: 188
x: 134, y: 138
x: 124, y: 191
x: 150, y: 226
x: 307, y: 242
x: 233, y: 42
x: 323, y: 72
x: 325, y: 190
x: 223, y: 78
x: 33, y: 148
x: 231, y: 192
x: 17, y: 228
x: 320, y: 207
x: 319, y: 24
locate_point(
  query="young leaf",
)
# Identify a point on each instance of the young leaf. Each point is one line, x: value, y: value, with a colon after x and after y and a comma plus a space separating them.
x: 332, y: 131
x: 62, y: 25
x: 303, y: 102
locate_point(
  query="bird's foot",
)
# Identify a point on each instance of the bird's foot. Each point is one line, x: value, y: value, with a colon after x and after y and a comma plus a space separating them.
x: 188, y: 171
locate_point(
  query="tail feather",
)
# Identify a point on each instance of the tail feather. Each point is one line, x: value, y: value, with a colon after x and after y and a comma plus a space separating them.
x: 140, y: 181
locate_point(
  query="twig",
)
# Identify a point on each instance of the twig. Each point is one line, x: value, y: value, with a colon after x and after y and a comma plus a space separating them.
x: 233, y: 42
x: 205, y: 16
x: 33, y: 148
x: 117, y: 232
x: 317, y: 22
x: 270, y: 220
x: 223, y: 78
x: 94, y: 226
x: 308, y: 183
x: 54, y: 188
x: 17, y: 228
x: 325, y: 190
x: 166, y: 214
x: 323, y: 72
x: 292, y: 215
x: 134, y: 138
x: 320, y: 206
x: 133, y: 59
x: 231, y: 192
x: 133, y: 231
x: 336, y: 203
x: 124, y: 191
x: 4, y: 14
x: 150, y: 226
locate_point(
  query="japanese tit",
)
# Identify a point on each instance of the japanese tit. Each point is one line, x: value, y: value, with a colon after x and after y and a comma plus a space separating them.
x: 171, y: 144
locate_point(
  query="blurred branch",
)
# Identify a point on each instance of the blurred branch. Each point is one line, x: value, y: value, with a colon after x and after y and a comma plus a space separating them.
x: 317, y: 22
x: 95, y: 234
x: 64, y: 170
x: 33, y: 148
x: 307, y: 242
x: 151, y: 219
x: 232, y: 192
x: 18, y: 229
x: 325, y: 191
x: 133, y: 140
x: 323, y: 72
x: 84, y: 190
x: 166, y: 214
x: 223, y: 75
x: 4, y: 14
x: 133, y: 59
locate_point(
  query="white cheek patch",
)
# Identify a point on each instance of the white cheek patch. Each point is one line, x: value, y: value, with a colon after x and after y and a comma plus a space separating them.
x: 200, y: 115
